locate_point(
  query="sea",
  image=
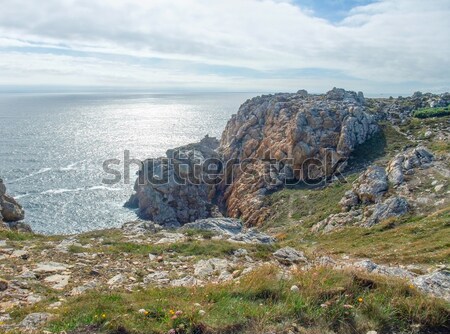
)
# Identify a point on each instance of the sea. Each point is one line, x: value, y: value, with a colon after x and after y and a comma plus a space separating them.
x: 53, y: 148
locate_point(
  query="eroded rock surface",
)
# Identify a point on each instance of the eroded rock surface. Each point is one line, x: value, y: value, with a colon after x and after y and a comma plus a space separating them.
x: 10, y: 209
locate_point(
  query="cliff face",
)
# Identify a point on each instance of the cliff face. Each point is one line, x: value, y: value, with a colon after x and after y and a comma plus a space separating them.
x: 289, y: 137
x: 10, y: 210
x: 273, y: 139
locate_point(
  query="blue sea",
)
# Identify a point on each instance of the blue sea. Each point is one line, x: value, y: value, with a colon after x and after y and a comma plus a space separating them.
x: 53, y: 147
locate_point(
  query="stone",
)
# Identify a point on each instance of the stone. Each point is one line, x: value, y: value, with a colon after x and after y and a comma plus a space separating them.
x: 220, y: 226
x: 289, y: 256
x: 187, y: 281
x: 436, y: 283
x: 160, y: 277
x: 252, y: 236
x: 295, y: 289
x: 3, y: 243
x: 371, y: 185
x: 11, y: 211
x: 59, y: 282
x: 35, y: 320
x: 27, y: 274
x: 392, y: 207
x: 204, y: 268
x: 170, y: 238
x: 366, y: 265
x: 19, y: 253
x: 76, y: 291
x: 371, y: 332
x: 439, y: 188
x: 3, y: 285
x: 116, y: 280
x: 49, y: 267
x: 141, y: 227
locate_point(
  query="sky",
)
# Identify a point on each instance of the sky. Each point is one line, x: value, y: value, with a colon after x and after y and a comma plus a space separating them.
x: 374, y: 46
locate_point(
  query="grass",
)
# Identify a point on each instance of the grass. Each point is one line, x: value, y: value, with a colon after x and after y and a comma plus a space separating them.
x: 190, y: 247
x: 419, y: 240
x: 341, y: 301
x: 432, y: 112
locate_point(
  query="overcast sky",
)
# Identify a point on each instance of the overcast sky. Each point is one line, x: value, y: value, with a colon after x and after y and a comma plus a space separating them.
x: 386, y: 46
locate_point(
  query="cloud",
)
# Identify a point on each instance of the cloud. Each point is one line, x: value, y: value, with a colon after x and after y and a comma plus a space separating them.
x: 146, y: 43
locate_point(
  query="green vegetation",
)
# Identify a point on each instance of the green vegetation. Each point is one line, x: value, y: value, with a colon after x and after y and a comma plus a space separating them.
x: 405, y: 240
x: 432, y: 112
x: 342, y: 301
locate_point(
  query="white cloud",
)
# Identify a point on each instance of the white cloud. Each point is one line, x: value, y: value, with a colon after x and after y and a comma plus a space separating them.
x: 390, y: 41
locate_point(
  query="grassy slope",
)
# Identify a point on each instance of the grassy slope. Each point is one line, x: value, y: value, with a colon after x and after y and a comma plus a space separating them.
x: 343, y: 301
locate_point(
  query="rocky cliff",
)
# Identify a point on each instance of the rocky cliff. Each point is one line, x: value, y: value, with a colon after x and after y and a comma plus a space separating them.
x: 272, y: 140
x: 10, y: 210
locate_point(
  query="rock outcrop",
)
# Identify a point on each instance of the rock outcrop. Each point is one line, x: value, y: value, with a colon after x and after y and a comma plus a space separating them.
x: 287, y: 137
x: 174, y: 190
x: 273, y: 139
x: 10, y: 210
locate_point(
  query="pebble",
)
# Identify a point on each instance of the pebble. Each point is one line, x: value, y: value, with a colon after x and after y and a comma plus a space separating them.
x: 295, y: 288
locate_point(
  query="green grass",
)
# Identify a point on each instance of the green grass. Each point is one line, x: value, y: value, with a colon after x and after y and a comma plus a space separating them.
x: 432, y: 112
x: 419, y: 240
x: 341, y: 301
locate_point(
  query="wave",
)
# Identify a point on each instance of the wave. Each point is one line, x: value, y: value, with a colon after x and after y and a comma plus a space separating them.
x: 67, y: 190
x: 40, y: 171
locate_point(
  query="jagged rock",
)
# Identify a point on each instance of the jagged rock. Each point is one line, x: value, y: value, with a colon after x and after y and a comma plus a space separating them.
x: 187, y: 281
x: 336, y: 221
x: 141, y: 227
x: 290, y: 256
x: 160, y: 277
x: 205, y: 268
x: 393, y: 272
x: 116, y: 280
x: 252, y: 236
x: 273, y: 138
x: 34, y: 320
x: 285, y: 136
x: 59, y: 282
x: 170, y: 238
x: 10, y: 210
x: 403, y: 162
x: 83, y: 288
x: 49, y: 267
x: 220, y: 226
x: 171, y: 191
x: 18, y: 226
x: 436, y: 283
x: 371, y: 185
x: 366, y: 265
x: 392, y: 207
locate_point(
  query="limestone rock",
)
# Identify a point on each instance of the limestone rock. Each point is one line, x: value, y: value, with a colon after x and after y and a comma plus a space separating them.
x: 171, y: 191
x: 371, y: 185
x: 34, y: 320
x: 59, y: 282
x: 290, y: 256
x: 141, y: 227
x: 220, y: 226
x: 49, y: 267
x: 10, y: 209
x: 205, y: 268
x: 187, y: 281
x: 436, y: 283
x: 392, y: 207
x: 160, y: 277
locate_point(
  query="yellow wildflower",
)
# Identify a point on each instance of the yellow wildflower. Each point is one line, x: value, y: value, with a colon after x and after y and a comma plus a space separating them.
x: 360, y: 300
x: 172, y: 312
x: 103, y: 315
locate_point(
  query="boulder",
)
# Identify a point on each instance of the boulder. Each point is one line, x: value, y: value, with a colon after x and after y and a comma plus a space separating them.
x: 371, y: 185
x: 35, y: 320
x: 10, y: 209
x: 436, y: 283
x: 204, y: 268
x: 219, y: 226
x: 392, y: 207
x: 289, y: 256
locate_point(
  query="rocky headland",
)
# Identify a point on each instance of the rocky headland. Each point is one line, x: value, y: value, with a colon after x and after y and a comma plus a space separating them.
x: 312, y: 214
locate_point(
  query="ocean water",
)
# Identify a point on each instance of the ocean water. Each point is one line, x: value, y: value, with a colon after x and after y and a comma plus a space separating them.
x: 53, y: 147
